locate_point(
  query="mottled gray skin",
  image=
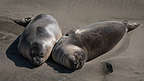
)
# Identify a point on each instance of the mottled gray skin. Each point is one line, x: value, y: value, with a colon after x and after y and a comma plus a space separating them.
x: 89, y: 42
x: 38, y: 38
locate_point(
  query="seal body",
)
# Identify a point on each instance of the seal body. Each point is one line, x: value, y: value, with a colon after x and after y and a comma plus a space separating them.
x: 89, y: 42
x: 38, y: 38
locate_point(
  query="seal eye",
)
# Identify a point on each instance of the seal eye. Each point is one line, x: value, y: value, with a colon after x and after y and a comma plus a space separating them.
x: 66, y: 34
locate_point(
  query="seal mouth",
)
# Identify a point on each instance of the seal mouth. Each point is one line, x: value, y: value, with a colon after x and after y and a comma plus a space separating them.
x: 37, y: 59
x: 77, y: 65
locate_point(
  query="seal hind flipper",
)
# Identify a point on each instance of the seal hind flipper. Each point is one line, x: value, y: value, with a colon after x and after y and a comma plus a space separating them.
x: 130, y: 26
x: 22, y: 22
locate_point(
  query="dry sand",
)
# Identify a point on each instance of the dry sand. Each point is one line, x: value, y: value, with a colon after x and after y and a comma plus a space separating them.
x: 127, y: 57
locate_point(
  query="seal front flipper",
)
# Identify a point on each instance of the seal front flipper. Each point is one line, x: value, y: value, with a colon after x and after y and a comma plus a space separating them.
x: 23, y: 22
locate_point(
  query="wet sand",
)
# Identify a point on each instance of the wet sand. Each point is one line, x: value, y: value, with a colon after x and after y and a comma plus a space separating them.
x: 127, y: 57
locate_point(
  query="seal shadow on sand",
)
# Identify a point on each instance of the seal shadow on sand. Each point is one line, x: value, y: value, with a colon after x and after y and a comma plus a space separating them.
x: 123, y: 46
x: 13, y: 54
x: 59, y: 68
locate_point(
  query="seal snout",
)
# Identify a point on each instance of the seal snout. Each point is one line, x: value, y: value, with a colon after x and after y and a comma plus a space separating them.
x: 36, y: 54
x: 78, y: 61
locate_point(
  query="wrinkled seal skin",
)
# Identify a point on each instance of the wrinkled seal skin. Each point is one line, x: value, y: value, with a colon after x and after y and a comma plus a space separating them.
x: 89, y: 42
x: 38, y: 38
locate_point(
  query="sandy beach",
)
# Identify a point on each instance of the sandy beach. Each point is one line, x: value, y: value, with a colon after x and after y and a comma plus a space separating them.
x: 126, y: 58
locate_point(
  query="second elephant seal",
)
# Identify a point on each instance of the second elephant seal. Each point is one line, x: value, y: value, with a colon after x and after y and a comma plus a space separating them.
x: 89, y: 42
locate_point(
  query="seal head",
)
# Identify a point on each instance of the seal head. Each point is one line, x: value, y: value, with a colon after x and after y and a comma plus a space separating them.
x: 69, y: 55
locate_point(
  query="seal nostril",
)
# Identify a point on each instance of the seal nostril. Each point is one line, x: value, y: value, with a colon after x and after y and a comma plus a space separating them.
x: 74, y: 65
x: 32, y: 54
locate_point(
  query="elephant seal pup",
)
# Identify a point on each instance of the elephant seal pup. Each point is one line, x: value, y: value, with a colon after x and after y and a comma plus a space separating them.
x: 89, y: 42
x: 38, y: 38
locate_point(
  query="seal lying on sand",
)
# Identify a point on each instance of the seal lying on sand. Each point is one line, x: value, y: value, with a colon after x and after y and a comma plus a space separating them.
x: 89, y: 42
x: 38, y: 38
